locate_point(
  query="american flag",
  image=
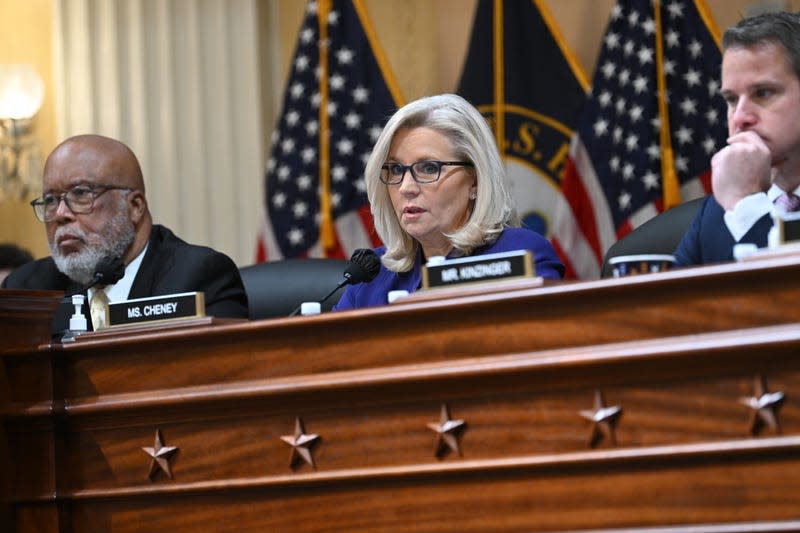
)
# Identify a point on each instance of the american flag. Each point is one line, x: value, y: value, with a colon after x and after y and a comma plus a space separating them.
x: 652, y: 122
x: 339, y: 95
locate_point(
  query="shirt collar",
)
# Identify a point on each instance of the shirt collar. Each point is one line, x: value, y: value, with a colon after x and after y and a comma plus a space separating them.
x: 774, y: 191
x: 120, y: 290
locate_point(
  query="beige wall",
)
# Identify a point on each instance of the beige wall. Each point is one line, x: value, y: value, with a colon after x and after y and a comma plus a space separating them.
x: 26, y: 36
x: 424, y: 40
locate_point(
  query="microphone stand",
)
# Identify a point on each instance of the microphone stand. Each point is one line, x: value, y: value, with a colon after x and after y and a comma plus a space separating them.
x: 363, y: 266
x: 339, y: 286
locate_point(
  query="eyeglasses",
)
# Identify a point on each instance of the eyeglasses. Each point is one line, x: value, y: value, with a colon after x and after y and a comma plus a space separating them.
x: 79, y: 199
x: 421, y: 171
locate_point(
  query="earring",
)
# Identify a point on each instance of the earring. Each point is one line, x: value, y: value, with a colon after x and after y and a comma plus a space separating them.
x: 472, y: 196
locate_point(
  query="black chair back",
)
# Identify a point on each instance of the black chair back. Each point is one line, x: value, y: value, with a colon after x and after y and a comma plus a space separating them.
x: 276, y: 288
x: 659, y: 235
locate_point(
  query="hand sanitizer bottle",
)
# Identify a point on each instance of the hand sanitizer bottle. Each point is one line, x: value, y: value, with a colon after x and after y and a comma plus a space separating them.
x: 77, y: 322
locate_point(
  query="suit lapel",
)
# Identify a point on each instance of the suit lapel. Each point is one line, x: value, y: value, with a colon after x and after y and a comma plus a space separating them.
x: 157, y: 260
x: 718, y: 242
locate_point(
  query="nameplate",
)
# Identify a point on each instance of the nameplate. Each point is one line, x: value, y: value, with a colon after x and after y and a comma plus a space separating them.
x: 788, y: 227
x: 490, y: 267
x: 157, y: 309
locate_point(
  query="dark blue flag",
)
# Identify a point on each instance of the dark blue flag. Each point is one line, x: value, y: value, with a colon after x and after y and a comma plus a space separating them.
x: 521, y: 75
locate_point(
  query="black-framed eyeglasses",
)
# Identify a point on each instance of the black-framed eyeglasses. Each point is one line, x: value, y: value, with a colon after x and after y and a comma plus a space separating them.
x: 79, y: 199
x: 421, y: 171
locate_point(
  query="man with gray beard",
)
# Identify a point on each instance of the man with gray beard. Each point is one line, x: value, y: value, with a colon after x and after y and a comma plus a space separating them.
x: 94, y: 206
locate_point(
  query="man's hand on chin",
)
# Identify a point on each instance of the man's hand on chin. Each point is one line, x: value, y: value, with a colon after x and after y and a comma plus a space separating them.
x: 740, y: 169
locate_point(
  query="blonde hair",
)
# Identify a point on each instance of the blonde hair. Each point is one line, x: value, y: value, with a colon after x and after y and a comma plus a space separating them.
x: 472, y: 141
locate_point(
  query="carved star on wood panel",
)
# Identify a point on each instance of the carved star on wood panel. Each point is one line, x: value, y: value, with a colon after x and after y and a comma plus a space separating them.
x: 604, y: 420
x: 448, y: 433
x: 763, y: 406
x: 302, y: 444
x: 160, y: 456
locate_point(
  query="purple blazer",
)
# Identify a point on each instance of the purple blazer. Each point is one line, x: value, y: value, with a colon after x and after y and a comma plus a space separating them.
x: 376, y: 291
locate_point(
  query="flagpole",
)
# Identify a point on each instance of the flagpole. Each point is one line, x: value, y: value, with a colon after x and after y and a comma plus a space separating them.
x: 499, y: 79
x: 377, y: 51
x: 327, y: 233
x: 708, y: 20
x: 558, y: 37
x: 671, y: 192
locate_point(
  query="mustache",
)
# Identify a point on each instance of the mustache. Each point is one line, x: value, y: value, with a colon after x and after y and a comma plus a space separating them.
x: 72, y: 232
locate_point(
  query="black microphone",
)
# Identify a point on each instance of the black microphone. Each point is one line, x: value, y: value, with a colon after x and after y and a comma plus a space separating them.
x: 364, y: 266
x: 109, y: 269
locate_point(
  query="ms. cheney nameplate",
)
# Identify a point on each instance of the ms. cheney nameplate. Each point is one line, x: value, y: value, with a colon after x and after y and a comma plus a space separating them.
x: 157, y: 308
x: 472, y: 269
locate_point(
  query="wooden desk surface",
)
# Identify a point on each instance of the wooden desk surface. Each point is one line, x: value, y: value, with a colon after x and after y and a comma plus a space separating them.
x: 599, y: 405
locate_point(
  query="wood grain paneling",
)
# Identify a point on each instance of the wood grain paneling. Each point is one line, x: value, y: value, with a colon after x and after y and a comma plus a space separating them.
x: 679, y: 354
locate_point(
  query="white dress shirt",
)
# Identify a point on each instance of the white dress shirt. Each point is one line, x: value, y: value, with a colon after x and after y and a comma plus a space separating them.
x: 750, y: 209
x: 118, y: 292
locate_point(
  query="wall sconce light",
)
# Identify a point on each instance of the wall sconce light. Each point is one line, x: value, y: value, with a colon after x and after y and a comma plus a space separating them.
x: 21, y: 95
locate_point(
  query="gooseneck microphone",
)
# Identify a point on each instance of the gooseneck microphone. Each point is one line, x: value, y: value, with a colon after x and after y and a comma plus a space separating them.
x: 364, y: 266
x: 109, y: 269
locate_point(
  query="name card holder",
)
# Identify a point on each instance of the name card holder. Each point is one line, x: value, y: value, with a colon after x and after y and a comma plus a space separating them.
x: 788, y: 225
x: 479, y: 268
x: 157, y: 309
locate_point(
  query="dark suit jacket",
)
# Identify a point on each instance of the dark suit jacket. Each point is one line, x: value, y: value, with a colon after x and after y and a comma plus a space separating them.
x: 708, y: 239
x: 169, y: 266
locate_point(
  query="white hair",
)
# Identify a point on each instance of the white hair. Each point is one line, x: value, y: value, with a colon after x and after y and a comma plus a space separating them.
x: 473, y: 141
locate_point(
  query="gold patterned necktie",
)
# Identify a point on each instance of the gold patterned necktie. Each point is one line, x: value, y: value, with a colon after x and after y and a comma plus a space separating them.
x: 98, y: 308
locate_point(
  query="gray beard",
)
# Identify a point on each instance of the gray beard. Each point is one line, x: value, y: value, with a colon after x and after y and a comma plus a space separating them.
x: 113, y: 240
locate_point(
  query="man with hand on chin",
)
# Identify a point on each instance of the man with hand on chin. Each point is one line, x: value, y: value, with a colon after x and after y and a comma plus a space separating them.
x: 759, y: 169
x: 94, y: 206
